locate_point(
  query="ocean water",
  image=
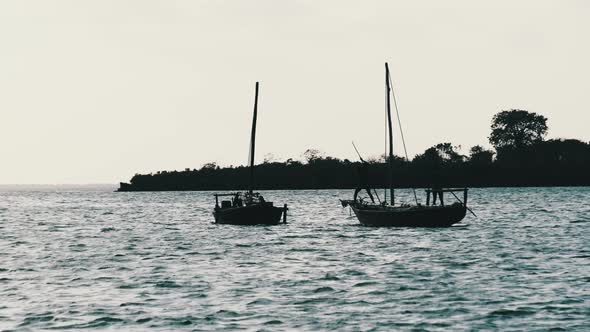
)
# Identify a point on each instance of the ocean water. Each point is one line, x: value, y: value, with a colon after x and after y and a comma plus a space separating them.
x: 91, y: 259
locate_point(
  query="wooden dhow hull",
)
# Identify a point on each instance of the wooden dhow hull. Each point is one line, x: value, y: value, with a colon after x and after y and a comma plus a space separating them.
x: 256, y: 214
x: 411, y: 216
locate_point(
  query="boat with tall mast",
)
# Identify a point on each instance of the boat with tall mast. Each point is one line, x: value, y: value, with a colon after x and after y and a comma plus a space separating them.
x: 248, y: 208
x: 405, y: 215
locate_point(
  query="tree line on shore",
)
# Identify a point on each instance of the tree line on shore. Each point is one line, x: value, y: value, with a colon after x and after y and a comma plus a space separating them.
x: 521, y: 156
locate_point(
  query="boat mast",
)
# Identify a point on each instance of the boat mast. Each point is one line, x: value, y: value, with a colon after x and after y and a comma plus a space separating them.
x: 390, y: 135
x: 253, y: 141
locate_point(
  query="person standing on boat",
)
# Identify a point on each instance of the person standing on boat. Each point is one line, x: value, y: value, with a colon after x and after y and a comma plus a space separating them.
x: 363, y: 174
x: 437, y: 188
x: 437, y: 191
x: 237, y: 200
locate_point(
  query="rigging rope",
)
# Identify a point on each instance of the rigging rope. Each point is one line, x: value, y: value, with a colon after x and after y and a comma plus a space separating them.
x: 399, y: 121
x: 377, y: 195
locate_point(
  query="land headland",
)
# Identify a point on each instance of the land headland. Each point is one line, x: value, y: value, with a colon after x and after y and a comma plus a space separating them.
x: 520, y: 157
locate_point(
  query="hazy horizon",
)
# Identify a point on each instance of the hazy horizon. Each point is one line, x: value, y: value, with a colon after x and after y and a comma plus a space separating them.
x: 94, y: 92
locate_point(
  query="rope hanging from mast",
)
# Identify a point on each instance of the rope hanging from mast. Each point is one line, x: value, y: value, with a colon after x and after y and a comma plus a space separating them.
x: 390, y: 156
x: 401, y: 131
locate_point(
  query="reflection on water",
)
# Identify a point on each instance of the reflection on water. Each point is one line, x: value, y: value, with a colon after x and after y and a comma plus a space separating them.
x: 95, y: 259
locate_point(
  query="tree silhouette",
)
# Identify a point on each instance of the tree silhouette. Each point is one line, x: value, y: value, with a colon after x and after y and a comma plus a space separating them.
x: 312, y: 155
x: 517, y: 129
x: 210, y: 166
x: 478, y: 156
x: 448, y: 153
x: 430, y: 159
x: 436, y: 156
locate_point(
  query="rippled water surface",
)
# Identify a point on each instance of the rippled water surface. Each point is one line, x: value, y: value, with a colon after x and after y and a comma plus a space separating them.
x: 94, y: 259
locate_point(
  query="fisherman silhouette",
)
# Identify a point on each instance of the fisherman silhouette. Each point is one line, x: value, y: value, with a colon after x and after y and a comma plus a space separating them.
x: 437, y: 191
x: 363, y: 174
x: 437, y: 185
x: 238, y: 201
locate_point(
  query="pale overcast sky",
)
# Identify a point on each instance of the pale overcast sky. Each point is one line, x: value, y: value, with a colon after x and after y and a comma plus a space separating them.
x: 95, y: 91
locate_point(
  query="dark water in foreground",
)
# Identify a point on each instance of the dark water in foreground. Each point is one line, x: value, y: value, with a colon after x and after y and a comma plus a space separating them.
x: 96, y: 260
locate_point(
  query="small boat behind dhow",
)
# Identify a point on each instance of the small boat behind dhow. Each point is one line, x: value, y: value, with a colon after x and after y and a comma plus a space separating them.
x: 248, y: 208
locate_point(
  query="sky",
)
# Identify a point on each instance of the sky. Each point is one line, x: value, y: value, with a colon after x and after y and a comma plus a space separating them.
x: 96, y: 91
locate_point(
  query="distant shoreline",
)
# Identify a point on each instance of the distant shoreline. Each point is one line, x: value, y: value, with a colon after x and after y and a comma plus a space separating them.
x: 522, y: 159
x: 304, y: 189
x: 329, y: 173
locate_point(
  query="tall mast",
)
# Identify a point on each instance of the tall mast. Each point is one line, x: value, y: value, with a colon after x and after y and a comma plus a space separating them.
x: 390, y: 134
x: 253, y: 141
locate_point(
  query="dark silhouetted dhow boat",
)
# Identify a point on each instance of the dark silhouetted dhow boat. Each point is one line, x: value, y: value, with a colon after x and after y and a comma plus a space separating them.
x: 388, y: 214
x: 248, y: 208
